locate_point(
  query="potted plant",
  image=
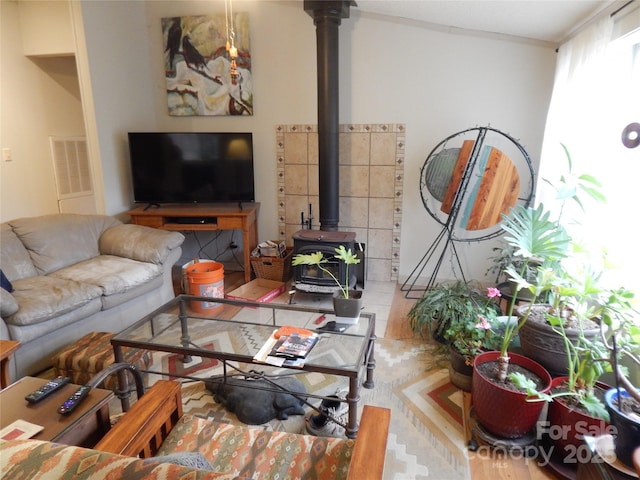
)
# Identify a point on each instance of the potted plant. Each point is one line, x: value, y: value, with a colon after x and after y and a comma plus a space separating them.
x: 346, y: 302
x: 536, y: 239
x: 571, y: 290
x: 576, y: 399
x: 471, y: 334
x: 443, y: 304
x: 621, y: 335
x: 568, y: 315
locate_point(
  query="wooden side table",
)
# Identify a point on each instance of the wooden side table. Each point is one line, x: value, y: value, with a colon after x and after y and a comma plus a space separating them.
x: 7, y: 347
x: 84, y: 427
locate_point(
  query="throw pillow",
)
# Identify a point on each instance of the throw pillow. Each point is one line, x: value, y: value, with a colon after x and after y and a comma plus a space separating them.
x: 5, y: 283
x: 185, y: 459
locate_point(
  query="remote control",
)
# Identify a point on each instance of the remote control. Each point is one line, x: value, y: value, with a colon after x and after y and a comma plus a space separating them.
x: 74, y: 400
x: 47, y: 389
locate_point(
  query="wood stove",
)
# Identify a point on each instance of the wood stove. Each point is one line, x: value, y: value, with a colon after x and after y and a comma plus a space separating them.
x: 310, y: 278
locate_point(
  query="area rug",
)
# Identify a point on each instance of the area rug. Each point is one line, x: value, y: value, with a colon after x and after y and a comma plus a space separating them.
x: 426, y: 437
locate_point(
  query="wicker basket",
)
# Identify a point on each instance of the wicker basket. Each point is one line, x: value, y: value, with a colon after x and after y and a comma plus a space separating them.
x: 273, y: 268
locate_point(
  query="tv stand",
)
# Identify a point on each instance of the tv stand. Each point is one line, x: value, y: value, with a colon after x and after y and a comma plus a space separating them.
x: 205, y: 217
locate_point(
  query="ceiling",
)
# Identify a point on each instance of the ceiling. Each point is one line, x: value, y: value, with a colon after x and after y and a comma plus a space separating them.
x: 544, y: 20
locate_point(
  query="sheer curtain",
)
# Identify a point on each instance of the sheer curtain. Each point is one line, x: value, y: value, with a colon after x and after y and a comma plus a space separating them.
x: 596, y: 95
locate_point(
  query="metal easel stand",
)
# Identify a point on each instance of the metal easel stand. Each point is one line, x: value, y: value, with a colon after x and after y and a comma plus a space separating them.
x: 446, y: 234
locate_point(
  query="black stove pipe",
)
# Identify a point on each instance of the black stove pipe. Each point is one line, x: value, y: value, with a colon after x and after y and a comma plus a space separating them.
x: 327, y: 16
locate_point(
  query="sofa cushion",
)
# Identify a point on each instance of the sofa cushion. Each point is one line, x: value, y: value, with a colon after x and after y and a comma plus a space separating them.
x: 187, y: 459
x: 42, y: 298
x: 138, y: 242
x: 59, y: 240
x: 257, y: 453
x: 110, y: 301
x: 51, y: 328
x: 14, y: 257
x: 38, y: 459
x: 111, y: 274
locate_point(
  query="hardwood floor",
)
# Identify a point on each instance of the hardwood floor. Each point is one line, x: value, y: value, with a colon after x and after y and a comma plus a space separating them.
x: 483, y: 464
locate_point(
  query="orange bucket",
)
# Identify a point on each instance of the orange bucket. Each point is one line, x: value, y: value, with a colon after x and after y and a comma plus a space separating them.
x: 205, y: 279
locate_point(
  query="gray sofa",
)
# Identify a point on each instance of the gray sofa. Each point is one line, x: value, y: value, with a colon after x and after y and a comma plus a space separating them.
x: 72, y: 274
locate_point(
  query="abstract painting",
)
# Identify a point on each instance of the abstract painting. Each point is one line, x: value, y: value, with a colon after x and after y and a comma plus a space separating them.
x: 198, y: 68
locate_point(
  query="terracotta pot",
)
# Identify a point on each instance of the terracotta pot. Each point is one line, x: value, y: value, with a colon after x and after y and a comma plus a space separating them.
x: 627, y: 428
x: 460, y: 373
x: 503, y: 412
x: 568, y: 426
x: 541, y: 343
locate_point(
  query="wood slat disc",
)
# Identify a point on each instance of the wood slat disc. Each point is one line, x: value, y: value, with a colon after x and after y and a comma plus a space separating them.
x: 456, y: 178
x: 498, y: 192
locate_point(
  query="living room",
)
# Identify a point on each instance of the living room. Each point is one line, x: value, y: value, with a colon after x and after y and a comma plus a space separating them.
x: 432, y: 81
x: 124, y: 74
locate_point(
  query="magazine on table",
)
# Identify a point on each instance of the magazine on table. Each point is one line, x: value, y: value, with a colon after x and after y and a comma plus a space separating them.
x: 20, y: 430
x: 287, y: 347
x: 294, y: 345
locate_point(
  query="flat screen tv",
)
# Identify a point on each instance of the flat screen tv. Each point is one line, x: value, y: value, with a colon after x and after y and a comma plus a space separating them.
x: 191, y: 167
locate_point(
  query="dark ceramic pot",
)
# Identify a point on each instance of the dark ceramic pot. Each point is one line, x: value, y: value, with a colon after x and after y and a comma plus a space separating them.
x: 348, y: 307
x: 504, y: 412
x: 627, y: 429
x: 541, y: 343
x: 460, y: 373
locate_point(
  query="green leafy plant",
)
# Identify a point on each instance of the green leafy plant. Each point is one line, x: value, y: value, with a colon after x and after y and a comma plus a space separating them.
x: 620, y: 333
x: 537, y: 239
x: 447, y: 308
x: 318, y: 259
x: 479, y: 331
x: 589, y: 359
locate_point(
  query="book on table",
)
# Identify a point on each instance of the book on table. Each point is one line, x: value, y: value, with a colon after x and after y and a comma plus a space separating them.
x: 294, y: 345
x: 287, y: 347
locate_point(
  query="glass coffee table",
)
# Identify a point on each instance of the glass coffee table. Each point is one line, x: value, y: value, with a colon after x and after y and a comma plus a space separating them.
x: 233, y: 332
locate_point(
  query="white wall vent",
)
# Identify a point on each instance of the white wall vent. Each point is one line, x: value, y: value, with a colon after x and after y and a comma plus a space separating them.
x: 71, y: 165
x: 73, y: 174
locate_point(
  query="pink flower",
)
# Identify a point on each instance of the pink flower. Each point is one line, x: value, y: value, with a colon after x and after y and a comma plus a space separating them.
x: 483, y: 323
x: 493, y: 292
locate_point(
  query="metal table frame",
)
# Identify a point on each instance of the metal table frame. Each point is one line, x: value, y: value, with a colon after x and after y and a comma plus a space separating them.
x: 179, y: 306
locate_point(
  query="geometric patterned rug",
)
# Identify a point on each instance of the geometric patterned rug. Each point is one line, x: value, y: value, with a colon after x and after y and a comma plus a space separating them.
x: 426, y: 438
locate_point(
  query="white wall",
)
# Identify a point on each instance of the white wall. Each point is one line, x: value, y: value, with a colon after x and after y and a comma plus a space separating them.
x: 435, y: 82
x: 39, y: 97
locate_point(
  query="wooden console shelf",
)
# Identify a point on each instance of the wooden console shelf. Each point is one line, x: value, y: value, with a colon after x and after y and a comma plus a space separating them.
x: 205, y: 217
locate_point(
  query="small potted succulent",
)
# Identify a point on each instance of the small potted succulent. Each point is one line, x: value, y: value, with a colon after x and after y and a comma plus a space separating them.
x: 346, y: 302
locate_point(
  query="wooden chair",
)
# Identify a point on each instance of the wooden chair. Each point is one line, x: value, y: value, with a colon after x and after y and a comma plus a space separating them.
x: 141, y: 431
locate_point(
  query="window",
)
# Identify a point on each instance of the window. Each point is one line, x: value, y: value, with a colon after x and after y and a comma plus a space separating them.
x: 596, y: 95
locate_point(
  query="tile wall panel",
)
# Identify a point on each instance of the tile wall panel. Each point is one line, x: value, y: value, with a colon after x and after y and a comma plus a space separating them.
x: 371, y: 187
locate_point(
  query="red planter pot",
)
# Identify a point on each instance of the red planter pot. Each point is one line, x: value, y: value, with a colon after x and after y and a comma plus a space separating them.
x: 503, y: 412
x: 567, y: 426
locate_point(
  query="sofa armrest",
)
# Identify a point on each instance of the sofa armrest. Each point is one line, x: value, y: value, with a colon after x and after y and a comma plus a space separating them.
x: 144, y: 427
x: 367, y: 460
x: 138, y: 242
x: 8, y: 304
